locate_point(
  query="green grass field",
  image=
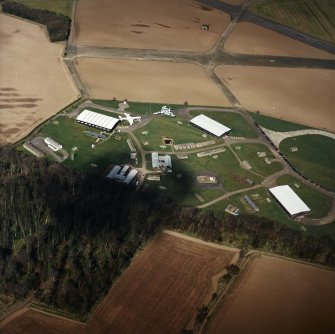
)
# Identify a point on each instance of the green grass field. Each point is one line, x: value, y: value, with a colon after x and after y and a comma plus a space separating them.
x: 70, y: 134
x: 138, y: 108
x: 248, y: 152
x: 315, y: 157
x: 276, y: 124
x: 313, y: 17
x: 319, y: 203
x: 270, y: 210
x: 58, y: 6
x: 163, y: 126
x: 240, y: 128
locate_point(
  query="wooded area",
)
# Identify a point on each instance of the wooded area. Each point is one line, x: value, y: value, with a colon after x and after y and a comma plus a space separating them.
x: 58, y: 25
x: 66, y: 237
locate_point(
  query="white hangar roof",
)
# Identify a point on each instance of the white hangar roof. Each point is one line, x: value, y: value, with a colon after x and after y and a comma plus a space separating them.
x: 289, y: 200
x: 210, y: 125
x: 97, y: 120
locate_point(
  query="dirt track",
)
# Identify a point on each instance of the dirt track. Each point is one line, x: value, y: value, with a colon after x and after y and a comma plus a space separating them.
x: 278, y: 296
x: 249, y: 38
x: 149, y: 81
x: 160, y: 291
x: 148, y: 24
x: 34, y: 83
x: 300, y: 95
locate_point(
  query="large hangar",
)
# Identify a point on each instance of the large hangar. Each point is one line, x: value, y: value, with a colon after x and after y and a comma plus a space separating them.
x: 96, y: 120
x: 289, y: 200
x: 210, y: 126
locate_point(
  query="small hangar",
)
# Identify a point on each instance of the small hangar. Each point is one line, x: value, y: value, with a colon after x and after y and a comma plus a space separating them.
x: 210, y: 126
x: 96, y: 120
x: 289, y: 200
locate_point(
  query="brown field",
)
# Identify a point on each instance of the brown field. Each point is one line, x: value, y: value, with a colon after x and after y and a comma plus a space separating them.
x: 27, y: 321
x: 34, y: 83
x: 299, y: 95
x: 149, y: 81
x: 278, y: 296
x: 250, y: 38
x: 148, y: 24
x: 161, y: 290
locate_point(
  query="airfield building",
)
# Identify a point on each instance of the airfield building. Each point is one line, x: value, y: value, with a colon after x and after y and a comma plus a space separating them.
x: 123, y: 174
x: 289, y: 200
x: 161, y: 161
x: 210, y: 126
x: 96, y: 120
x: 52, y: 144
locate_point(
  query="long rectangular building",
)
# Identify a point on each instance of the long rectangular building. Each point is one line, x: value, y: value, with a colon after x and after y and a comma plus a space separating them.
x: 96, y: 120
x: 210, y: 125
x: 289, y: 200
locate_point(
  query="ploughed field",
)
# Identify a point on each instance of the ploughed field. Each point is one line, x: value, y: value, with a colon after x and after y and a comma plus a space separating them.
x: 299, y: 95
x: 34, y: 83
x: 28, y: 321
x: 275, y: 295
x: 149, y: 81
x: 148, y: 24
x: 162, y: 288
x: 249, y: 38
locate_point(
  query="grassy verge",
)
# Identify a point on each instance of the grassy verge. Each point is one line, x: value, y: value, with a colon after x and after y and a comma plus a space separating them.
x: 168, y: 127
x: 248, y: 152
x: 276, y: 124
x: 240, y: 128
x: 313, y: 17
x: 315, y: 157
x: 319, y: 203
x: 57, y: 6
x: 138, y: 108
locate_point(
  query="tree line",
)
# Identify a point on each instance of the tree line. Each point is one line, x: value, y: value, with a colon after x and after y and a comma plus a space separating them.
x: 58, y: 25
x: 65, y: 237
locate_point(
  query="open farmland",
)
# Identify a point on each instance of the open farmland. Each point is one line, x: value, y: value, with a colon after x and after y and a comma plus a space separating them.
x: 30, y: 321
x: 149, y: 81
x: 148, y: 24
x: 29, y: 94
x: 315, y: 157
x: 160, y: 291
x: 249, y: 38
x: 277, y: 296
x: 312, y: 17
x: 300, y: 95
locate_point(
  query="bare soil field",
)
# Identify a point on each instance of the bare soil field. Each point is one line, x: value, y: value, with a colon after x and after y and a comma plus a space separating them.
x: 300, y: 95
x: 278, y: 296
x: 162, y: 288
x: 148, y: 24
x: 249, y: 38
x: 34, y: 83
x: 27, y: 321
x: 149, y: 81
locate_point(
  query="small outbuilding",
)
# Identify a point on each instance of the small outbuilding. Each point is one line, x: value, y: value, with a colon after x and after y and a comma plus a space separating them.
x: 289, y: 200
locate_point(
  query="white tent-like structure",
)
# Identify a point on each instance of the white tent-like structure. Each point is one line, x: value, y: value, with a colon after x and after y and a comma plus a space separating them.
x: 289, y: 200
x: 96, y: 120
x: 210, y: 125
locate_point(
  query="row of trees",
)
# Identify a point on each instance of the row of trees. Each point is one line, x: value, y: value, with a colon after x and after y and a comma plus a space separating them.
x: 66, y: 236
x: 58, y: 25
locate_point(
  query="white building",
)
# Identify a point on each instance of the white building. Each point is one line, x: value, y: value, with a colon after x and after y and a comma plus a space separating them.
x: 210, y: 126
x: 52, y: 144
x: 96, y: 120
x: 289, y: 200
x: 161, y: 161
x: 122, y: 174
